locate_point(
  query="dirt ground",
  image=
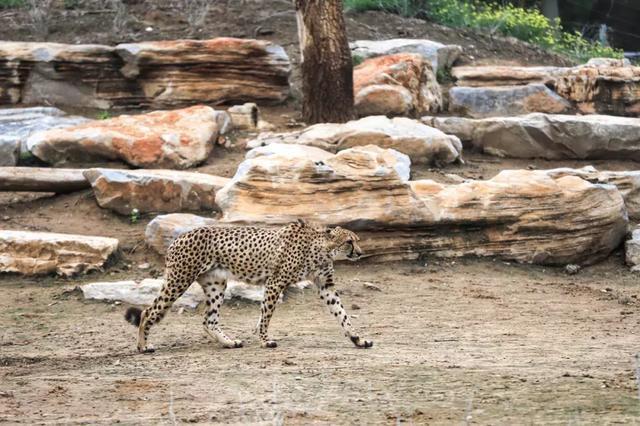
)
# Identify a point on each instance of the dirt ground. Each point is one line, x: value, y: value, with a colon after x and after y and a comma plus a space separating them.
x: 477, y: 342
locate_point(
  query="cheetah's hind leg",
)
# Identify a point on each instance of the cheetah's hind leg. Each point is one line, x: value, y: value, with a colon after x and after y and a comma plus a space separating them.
x: 144, y: 319
x: 213, y: 284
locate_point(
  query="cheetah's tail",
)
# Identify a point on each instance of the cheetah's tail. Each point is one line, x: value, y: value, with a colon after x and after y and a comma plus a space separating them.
x: 133, y: 315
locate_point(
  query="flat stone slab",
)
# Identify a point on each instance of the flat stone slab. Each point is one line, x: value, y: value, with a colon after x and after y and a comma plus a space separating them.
x: 440, y: 56
x: 16, y: 124
x: 42, y: 179
x: 174, y: 139
x: 154, y: 190
x: 36, y: 253
x: 423, y: 144
x: 549, y: 136
x: 144, y: 292
x: 480, y: 102
x: 149, y: 75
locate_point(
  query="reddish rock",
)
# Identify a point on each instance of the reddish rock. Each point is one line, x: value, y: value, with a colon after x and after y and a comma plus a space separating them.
x: 400, y: 84
x: 161, y: 139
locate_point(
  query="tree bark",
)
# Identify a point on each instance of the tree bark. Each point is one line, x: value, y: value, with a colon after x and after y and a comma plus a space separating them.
x: 327, y: 68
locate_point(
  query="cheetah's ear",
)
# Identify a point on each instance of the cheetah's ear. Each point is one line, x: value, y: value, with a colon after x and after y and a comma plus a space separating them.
x: 302, y: 222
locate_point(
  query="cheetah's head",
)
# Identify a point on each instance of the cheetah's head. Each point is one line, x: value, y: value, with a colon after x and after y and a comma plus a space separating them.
x: 343, y: 244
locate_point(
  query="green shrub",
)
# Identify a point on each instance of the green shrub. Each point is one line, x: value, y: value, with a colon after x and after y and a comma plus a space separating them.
x: 8, y: 4
x: 529, y: 25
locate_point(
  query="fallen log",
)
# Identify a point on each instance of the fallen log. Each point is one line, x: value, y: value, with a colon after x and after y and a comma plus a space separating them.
x: 42, y: 179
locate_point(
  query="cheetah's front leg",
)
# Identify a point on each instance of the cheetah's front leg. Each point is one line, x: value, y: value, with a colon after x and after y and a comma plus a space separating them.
x: 272, y: 291
x: 329, y: 295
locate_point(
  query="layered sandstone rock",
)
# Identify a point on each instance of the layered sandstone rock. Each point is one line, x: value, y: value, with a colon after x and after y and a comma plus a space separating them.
x: 16, y: 124
x: 423, y: 144
x: 155, y: 74
x: 440, y: 56
x: 480, y: 102
x: 627, y: 182
x: 601, y: 86
x: 549, y: 136
x: 161, y: 139
x: 500, y: 75
x: 526, y: 216
x: 400, y: 84
x: 602, y: 90
x: 33, y: 253
x: 154, y: 190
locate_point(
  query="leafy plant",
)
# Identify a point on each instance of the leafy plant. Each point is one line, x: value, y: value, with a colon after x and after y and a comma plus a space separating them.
x: 11, y: 4
x: 529, y: 25
x: 357, y: 59
x: 103, y: 115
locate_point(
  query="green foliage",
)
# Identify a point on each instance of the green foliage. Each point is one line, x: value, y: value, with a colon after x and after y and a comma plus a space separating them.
x: 401, y: 7
x: 444, y: 76
x: 357, y: 59
x: 134, y: 217
x: 529, y: 25
x: 103, y: 115
x: 9, y: 4
x: 71, y: 4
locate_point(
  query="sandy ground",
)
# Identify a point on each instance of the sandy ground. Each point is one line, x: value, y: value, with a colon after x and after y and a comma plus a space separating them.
x: 481, y: 342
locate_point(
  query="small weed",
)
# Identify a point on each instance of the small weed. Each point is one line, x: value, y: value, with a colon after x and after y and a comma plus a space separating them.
x: 357, y: 59
x: 444, y: 76
x: 103, y: 115
x: 135, y: 216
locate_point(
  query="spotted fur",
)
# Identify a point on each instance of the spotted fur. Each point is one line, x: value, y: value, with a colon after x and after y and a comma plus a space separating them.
x: 275, y: 258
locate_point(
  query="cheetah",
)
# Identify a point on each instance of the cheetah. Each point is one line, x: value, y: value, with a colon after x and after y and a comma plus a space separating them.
x: 273, y: 257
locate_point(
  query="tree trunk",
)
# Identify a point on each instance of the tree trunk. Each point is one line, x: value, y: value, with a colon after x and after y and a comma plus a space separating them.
x: 327, y: 69
x: 550, y: 9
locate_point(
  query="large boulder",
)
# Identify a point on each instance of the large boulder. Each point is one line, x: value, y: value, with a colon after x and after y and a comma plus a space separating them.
x: 16, y: 124
x: 154, y: 190
x: 33, y: 253
x: 479, y: 102
x: 154, y: 74
x: 527, y: 216
x: 602, y: 90
x: 549, y: 136
x: 400, y: 84
x: 440, y: 56
x: 161, y: 139
x: 423, y: 144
